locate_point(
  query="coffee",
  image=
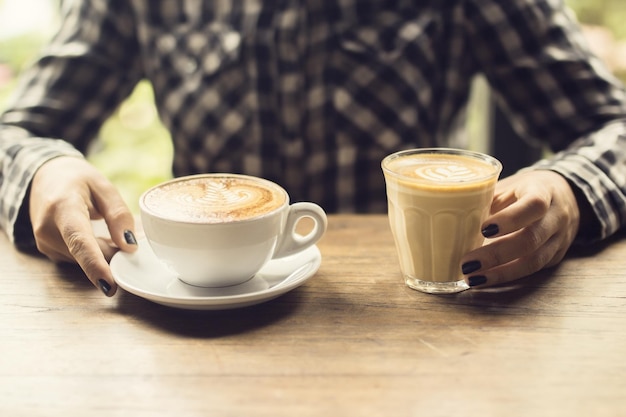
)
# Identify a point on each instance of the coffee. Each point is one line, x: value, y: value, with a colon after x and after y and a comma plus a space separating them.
x: 437, y: 202
x: 427, y: 171
x: 214, y: 199
x: 215, y: 230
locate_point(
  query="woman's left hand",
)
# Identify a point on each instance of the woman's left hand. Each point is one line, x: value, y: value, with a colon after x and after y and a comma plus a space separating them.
x: 533, y: 221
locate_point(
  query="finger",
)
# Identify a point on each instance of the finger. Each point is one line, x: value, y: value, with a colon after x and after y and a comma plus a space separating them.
x: 107, y: 247
x: 515, y: 245
x: 76, y: 232
x: 50, y: 243
x: 526, y: 210
x: 511, y: 246
x: 549, y: 255
x: 54, y: 252
x: 516, y: 255
x: 503, y: 196
x: 120, y: 221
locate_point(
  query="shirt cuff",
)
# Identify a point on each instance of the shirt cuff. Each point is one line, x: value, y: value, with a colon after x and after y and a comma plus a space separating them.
x: 592, y: 184
x: 27, y: 157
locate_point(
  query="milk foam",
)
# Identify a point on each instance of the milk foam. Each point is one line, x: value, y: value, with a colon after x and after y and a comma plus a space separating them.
x: 214, y: 199
x: 441, y: 169
x: 449, y: 172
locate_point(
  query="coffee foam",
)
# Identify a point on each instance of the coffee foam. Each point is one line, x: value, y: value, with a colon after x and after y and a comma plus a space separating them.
x: 446, y: 172
x: 434, y: 170
x: 214, y: 199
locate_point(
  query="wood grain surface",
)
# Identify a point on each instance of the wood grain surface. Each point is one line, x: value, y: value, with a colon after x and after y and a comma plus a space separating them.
x: 352, y: 341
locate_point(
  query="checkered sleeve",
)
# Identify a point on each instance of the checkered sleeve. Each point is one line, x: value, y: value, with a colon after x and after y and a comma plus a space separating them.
x: 596, y: 165
x: 62, y: 100
x: 555, y: 91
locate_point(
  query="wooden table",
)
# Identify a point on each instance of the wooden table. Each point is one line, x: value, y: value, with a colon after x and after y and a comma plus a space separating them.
x: 352, y: 341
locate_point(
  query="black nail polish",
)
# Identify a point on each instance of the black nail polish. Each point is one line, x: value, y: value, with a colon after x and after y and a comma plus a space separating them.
x: 130, y: 237
x: 490, y: 230
x: 477, y: 280
x: 471, y: 266
x: 104, y: 287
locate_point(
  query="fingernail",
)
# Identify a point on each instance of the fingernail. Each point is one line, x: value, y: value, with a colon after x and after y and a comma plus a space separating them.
x: 105, y: 287
x: 477, y: 280
x: 471, y: 266
x: 490, y: 230
x: 130, y: 237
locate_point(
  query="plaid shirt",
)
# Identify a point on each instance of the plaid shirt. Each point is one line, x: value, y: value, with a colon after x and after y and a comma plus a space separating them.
x: 313, y: 94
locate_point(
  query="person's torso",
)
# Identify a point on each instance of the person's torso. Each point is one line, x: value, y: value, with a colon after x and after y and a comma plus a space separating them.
x: 311, y: 94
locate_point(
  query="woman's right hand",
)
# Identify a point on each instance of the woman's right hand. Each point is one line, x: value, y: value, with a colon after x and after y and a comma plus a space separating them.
x: 66, y: 194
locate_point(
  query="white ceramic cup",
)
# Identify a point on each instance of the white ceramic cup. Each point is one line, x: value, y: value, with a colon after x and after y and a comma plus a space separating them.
x: 216, y: 230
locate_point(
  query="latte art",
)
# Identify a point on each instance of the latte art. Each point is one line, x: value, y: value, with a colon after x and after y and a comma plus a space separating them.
x: 446, y: 173
x: 214, y: 199
x: 219, y: 195
x: 440, y: 170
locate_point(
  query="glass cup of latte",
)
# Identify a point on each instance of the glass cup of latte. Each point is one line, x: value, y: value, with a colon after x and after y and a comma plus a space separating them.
x: 438, y: 199
x: 216, y: 230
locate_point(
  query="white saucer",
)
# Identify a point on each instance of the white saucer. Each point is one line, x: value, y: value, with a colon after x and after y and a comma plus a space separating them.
x: 143, y: 274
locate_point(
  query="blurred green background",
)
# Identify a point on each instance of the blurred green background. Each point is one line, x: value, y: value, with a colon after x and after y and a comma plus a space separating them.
x: 134, y: 150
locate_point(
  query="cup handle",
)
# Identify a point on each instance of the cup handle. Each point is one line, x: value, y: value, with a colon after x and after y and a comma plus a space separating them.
x: 291, y: 242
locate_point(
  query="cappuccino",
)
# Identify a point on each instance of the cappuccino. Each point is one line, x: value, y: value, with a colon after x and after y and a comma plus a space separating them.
x: 216, y: 230
x: 214, y: 198
x: 437, y: 201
